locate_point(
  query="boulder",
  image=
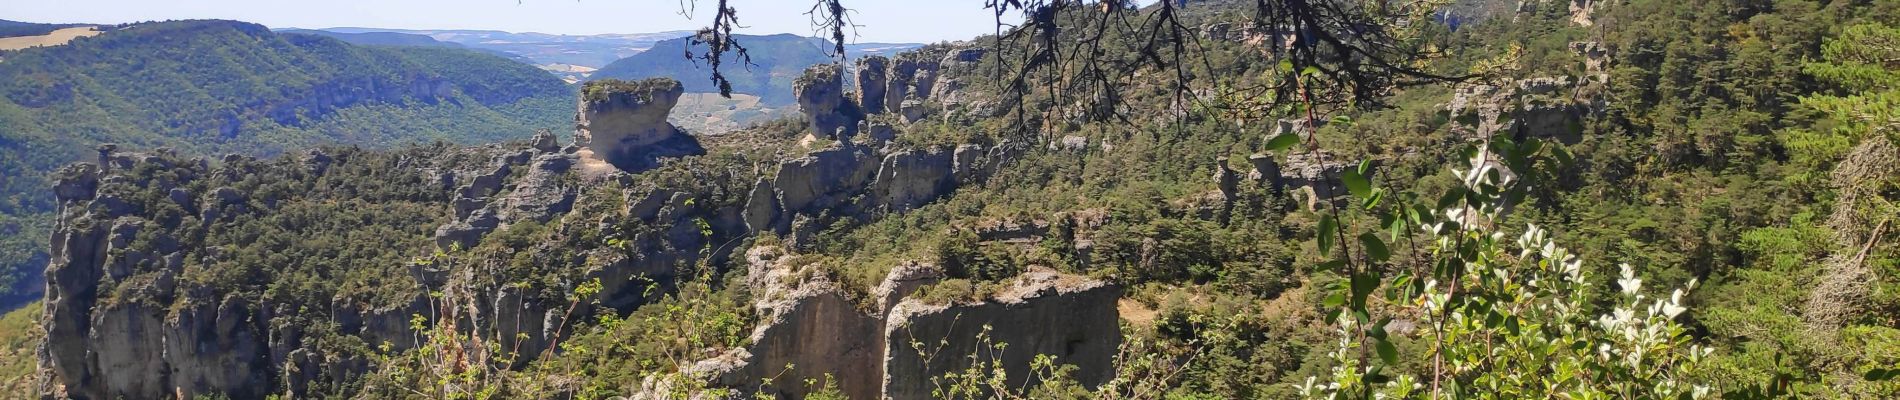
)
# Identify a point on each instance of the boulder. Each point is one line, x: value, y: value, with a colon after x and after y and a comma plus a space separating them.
x: 912, y: 110
x: 1070, y: 143
x: 762, y: 211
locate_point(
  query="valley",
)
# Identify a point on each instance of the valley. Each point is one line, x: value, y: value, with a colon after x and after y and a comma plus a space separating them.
x: 1214, y: 199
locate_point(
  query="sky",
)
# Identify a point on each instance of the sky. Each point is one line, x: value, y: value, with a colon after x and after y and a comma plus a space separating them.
x: 912, y: 21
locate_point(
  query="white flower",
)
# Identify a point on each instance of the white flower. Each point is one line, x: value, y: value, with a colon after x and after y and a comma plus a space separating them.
x: 1674, y: 307
x: 1629, y: 283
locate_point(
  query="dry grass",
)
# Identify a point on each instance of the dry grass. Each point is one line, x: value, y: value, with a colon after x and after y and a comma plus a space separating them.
x: 20, y: 337
x: 56, y: 38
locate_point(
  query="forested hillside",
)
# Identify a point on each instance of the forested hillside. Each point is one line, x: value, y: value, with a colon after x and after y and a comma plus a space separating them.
x: 1642, y: 199
x: 214, y: 87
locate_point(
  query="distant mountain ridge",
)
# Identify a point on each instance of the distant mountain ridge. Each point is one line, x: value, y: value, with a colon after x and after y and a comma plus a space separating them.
x: 775, y: 61
x: 400, y: 39
x: 592, y: 51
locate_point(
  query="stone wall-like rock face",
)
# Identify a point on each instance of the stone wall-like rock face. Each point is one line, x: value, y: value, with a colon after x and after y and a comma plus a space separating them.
x: 873, y: 80
x: 1543, y: 107
x: 128, y: 344
x: 809, y: 331
x: 912, y: 76
x: 912, y: 178
x: 808, y: 322
x: 1043, y: 313
x: 824, y: 179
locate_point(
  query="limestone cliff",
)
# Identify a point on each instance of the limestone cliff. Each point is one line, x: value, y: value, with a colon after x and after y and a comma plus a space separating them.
x: 810, y: 331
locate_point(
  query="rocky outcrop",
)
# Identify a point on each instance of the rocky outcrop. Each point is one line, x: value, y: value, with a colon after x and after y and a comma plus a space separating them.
x: 1596, y: 57
x: 912, y: 76
x: 821, y: 97
x: 824, y: 179
x: 911, y: 178
x: 1314, y: 178
x: 1581, y: 10
x: 873, y: 80
x: 137, y: 340
x: 624, y: 123
x: 1041, y: 313
x: 1545, y: 107
x: 811, y: 331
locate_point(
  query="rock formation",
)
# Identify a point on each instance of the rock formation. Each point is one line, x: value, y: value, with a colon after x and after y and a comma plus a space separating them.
x: 1544, y: 107
x: 624, y: 123
x: 908, y: 179
x: 911, y: 77
x: 811, y: 331
x: 821, y: 97
x: 873, y: 76
x: 1040, y: 313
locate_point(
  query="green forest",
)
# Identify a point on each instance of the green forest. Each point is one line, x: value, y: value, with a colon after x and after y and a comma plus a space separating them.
x: 210, y: 88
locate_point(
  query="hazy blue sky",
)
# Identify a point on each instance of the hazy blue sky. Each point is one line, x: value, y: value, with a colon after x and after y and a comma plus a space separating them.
x: 881, y: 20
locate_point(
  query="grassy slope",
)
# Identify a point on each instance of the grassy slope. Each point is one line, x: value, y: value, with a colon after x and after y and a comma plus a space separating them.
x: 20, y: 337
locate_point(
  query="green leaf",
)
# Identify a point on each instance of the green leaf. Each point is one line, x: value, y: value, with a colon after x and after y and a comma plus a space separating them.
x: 1362, y: 285
x: 1342, y: 121
x: 1327, y: 226
x: 1286, y: 65
x: 1283, y: 142
x: 1387, y: 352
x: 1336, y: 299
x: 1357, y: 184
x: 1309, y: 71
x: 1375, y: 248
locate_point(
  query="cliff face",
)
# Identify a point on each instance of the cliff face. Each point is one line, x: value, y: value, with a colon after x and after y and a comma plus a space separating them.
x: 1039, y: 314
x: 181, y: 342
x: 811, y: 331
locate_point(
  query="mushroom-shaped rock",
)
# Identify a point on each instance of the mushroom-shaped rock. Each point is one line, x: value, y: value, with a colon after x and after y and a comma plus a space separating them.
x: 624, y: 123
x: 821, y: 97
